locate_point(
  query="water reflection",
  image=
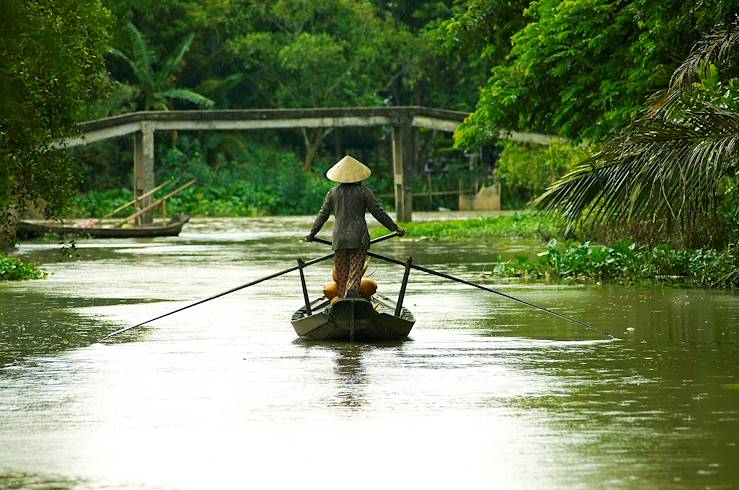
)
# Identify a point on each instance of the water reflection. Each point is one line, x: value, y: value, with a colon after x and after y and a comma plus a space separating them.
x: 29, y: 481
x: 487, y: 394
x: 351, y: 378
x: 33, y: 324
x: 351, y: 375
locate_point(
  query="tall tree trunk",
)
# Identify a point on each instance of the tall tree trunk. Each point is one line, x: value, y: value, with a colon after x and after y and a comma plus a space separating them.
x: 7, y: 230
x: 7, y: 239
x: 423, y: 150
x: 313, y: 139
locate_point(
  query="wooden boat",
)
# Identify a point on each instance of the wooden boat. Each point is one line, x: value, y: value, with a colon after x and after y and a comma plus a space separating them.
x: 353, y: 319
x: 173, y: 227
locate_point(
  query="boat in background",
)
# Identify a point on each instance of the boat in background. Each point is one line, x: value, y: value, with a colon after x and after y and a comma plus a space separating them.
x: 137, y: 225
x: 173, y: 227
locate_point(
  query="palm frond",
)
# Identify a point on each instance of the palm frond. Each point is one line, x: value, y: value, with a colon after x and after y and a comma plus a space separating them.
x: 120, y: 54
x: 143, y: 56
x: 218, y: 89
x: 173, y: 62
x: 142, y: 75
x: 659, y: 172
x: 189, y: 96
x: 720, y: 47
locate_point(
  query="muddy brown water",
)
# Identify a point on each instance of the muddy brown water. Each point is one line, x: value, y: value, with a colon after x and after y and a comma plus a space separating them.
x: 485, y: 394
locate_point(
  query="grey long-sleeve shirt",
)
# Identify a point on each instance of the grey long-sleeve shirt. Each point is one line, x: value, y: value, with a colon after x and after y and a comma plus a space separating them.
x: 349, y: 202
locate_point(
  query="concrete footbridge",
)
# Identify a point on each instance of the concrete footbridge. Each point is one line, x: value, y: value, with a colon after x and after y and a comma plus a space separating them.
x: 403, y: 120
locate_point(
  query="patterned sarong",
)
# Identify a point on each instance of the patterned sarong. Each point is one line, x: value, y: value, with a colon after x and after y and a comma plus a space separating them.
x: 349, y: 263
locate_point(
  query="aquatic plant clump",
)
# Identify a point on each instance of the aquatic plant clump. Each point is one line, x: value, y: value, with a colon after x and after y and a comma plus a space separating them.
x: 628, y: 262
x: 520, y: 225
x: 12, y: 269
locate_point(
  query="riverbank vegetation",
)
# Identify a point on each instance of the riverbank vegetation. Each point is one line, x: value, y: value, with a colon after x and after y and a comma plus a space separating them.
x: 517, y: 225
x: 640, y: 97
x: 626, y: 262
x: 561, y: 259
x: 52, y: 66
x: 12, y: 269
x: 262, y: 180
x: 673, y: 173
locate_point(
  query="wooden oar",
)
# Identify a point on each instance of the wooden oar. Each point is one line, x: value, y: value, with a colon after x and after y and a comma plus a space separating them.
x: 485, y: 288
x: 157, y: 203
x: 237, y: 288
x: 224, y: 293
x: 124, y: 206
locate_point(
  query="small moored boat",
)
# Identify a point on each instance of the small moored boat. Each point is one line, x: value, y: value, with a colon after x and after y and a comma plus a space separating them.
x: 353, y: 319
x: 173, y: 227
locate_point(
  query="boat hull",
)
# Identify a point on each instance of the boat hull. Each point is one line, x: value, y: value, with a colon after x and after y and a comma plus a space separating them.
x: 353, y: 319
x: 34, y: 230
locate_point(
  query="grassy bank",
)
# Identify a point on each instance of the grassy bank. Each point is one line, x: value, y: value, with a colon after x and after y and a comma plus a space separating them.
x: 260, y: 180
x: 519, y: 225
x: 625, y: 262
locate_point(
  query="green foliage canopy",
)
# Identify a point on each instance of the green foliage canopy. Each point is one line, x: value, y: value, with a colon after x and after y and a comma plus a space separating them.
x: 290, y: 53
x: 155, y: 88
x: 313, y: 54
x: 675, y: 171
x: 526, y: 171
x: 583, y: 68
x: 52, y: 65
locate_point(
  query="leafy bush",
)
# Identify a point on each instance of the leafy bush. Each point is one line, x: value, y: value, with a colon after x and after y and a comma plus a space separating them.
x: 527, y: 170
x: 260, y: 180
x: 99, y: 203
x: 12, y: 269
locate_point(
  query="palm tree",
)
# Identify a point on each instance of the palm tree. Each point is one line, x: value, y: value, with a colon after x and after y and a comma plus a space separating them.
x: 665, y: 173
x: 155, y: 89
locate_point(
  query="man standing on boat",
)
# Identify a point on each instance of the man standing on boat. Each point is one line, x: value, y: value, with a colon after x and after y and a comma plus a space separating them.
x: 349, y: 201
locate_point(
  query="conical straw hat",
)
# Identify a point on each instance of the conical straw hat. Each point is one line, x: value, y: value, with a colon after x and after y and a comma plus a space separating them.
x: 348, y: 170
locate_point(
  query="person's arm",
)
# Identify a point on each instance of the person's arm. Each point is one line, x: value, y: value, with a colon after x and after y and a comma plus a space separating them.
x: 323, y: 214
x: 373, y: 206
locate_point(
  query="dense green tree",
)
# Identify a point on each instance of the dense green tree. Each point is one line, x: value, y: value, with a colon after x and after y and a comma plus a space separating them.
x: 52, y: 65
x: 583, y: 68
x: 480, y: 31
x: 208, y: 63
x: 312, y: 54
x: 427, y: 60
x: 154, y: 89
x: 674, y: 173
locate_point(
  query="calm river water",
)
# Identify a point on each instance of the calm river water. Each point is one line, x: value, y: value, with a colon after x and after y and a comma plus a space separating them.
x: 486, y: 394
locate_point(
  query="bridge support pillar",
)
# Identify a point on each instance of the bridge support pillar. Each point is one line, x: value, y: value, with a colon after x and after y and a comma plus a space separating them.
x: 403, y: 155
x: 143, y: 170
